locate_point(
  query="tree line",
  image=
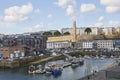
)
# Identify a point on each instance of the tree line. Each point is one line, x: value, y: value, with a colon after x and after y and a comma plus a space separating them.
x: 56, y: 33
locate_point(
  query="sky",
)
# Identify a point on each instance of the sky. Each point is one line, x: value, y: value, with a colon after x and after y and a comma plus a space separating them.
x: 21, y: 16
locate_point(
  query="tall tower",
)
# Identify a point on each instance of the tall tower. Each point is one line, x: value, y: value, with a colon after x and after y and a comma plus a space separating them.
x: 74, y: 32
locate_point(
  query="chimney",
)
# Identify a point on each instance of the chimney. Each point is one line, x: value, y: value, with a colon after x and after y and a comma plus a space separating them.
x: 74, y: 32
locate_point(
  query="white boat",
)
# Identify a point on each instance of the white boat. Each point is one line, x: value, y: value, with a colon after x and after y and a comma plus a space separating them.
x: 31, y: 69
x: 76, y: 62
x: 48, y: 70
x: 87, y: 57
x: 39, y: 70
x: 96, y: 57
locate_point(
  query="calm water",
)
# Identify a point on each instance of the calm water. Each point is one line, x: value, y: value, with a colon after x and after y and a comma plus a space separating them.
x: 68, y: 72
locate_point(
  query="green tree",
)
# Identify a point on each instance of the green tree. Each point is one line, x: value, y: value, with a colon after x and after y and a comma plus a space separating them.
x: 47, y: 33
x: 88, y: 30
x: 66, y: 33
x: 57, y: 33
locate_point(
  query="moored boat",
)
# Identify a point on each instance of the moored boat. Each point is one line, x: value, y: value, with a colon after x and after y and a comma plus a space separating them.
x: 57, y: 72
x: 77, y: 62
x: 31, y: 69
x: 48, y: 69
x: 40, y: 70
x: 54, y: 69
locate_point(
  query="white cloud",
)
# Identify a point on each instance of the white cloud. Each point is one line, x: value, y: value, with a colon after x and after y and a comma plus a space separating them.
x: 88, y: 8
x: 16, y: 13
x: 110, y: 2
x: 68, y: 5
x: 112, y: 6
x: 112, y: 9
x: 70, y: 10
x: 99, y: 22
x: 114, y: 23
x: 36, y: 27
x: 64, y: 3
x: 49, y: 16
x: 100, y: 19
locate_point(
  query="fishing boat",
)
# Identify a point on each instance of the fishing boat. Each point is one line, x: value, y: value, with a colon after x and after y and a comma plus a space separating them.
x: 57, y: 71
x: 54, y: 69
x: 31, y: 69
x: 40, y: 70
x: 77, y: 62
x: 48, y: 69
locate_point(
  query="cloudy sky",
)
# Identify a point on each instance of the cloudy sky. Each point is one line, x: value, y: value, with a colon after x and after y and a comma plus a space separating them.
x: 19, y: 16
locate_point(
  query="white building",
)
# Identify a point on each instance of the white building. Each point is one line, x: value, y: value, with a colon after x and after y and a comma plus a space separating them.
x: 105, y: 44
x: 84, y: 45
x: 117, y: 29
x: 87, y: 45
x: 59, y: 44
x: 108, y: 30
x: 81, y: 30
x: 94, y: 30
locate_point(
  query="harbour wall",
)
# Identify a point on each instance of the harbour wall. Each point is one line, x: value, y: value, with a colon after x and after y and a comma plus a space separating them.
x: 12, y: 64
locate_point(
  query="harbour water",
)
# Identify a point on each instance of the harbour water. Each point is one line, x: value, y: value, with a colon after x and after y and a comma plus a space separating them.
x: 67, y: 74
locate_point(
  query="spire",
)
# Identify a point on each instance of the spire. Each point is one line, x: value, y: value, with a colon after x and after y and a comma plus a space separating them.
x: 74, y: 31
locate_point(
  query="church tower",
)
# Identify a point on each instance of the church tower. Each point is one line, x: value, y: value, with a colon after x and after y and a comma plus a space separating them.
x: 74, y: 32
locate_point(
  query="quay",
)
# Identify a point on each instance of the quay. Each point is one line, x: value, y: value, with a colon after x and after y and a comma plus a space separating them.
x: 112, y: 72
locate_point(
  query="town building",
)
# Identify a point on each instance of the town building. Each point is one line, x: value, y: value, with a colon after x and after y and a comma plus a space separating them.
x: 30, y: 44
x: 63, y: 41
x: 84, y: 45
x: 117, y: 29
x: 81, y: 31
x: 87, y: 45
x: 59, y: 44
x: 108, y: 30
x: 117, y: 44
x: 7, y: 51
x: 98, y: 45
x: 105, y: 44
